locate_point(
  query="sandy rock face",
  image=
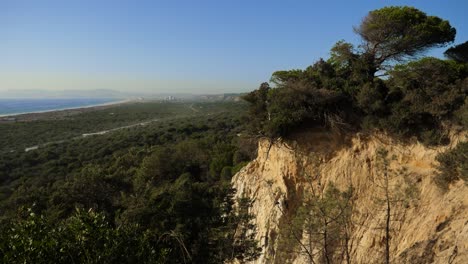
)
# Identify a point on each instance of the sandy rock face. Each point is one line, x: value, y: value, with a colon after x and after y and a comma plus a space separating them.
x: 427, y: 224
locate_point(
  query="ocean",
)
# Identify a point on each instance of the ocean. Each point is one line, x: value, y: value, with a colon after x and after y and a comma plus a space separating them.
x: 17, y: 106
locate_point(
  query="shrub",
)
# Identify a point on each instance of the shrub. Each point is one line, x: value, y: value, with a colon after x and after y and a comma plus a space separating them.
x: 371, y: 98
x: 461, y: 115
x: 453, y: 166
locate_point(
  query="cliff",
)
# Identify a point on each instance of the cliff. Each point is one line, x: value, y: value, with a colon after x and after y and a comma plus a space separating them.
x: 426, y: 224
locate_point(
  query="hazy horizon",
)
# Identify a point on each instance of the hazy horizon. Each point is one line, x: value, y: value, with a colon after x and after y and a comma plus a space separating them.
x: 24, y: 87
x: 98, y: 93
x: 207, y: 47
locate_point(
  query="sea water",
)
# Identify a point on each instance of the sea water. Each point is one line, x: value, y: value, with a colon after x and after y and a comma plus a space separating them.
x: 17, y: 106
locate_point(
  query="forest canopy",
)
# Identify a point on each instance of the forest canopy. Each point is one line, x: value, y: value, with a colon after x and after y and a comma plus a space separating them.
x: 158, y: 193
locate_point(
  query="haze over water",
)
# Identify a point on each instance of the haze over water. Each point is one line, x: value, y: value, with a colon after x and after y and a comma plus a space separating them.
x: 16, y: 106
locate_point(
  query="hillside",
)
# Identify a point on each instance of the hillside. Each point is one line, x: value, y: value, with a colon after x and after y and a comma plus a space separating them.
x: 361, y: 158
x: 427, y: 224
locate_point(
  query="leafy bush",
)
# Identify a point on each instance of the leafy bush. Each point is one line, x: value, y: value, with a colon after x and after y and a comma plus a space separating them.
x: 370, y: 98
x: 430, y: 85
x: 85, y: 237
x: 461, y: 115
x: 298, y: 100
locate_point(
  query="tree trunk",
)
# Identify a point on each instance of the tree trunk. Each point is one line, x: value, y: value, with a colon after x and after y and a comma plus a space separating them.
x: 387, y: 224
x: 325, y: 243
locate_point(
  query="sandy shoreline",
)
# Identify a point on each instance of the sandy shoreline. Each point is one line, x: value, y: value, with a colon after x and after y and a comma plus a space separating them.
x: 59, y: 113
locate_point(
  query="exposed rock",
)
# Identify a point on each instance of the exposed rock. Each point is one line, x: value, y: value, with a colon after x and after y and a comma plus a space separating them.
x: 428, y: 226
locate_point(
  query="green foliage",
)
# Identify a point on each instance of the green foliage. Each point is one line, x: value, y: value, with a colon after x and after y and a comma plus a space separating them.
x: 342, y: 56
x: 299, y: 101
x: 417, y: 99
x: 258, y: 112
x: 407, y: 104
x: 245, y: 247
x: 461, y: 115
x: 458, y: 53
x: 239, y: 243
x: 85, y: 237
x: 226, y: 173
x: 281, y: 77
x: 319, y: 228
x: 431, y: 91
x: 240, y: 156
x: 238, y: 167
x: 20, y: 135
x: 159, y: 193
x: 453, y: 166
x: 371, y: 97
x: 286, y: 110
x: 222, y: 157
x: 352, y: 69
x: 321, y: 74
x: 396, y: 32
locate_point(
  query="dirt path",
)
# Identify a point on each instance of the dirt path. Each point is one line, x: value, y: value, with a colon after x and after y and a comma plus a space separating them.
x: 89, y: 134
x: 193, y: 109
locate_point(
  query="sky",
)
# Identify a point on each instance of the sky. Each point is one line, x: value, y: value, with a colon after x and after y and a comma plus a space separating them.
x: 179, y: 46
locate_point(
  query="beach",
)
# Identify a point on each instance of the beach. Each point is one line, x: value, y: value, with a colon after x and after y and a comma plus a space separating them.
x: 55, y: 114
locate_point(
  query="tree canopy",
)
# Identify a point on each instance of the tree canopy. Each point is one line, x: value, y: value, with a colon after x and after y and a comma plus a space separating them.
x: 416, y: 99
x: 458, y: 52
x: 396, y: 33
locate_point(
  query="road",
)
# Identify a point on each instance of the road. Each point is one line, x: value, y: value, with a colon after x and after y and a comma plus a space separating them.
x: 103, y: 132
x: 89, y: 135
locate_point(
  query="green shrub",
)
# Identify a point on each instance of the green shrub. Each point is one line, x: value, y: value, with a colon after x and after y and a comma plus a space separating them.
x: 371, y: 98
x: 461, y: 115
x: 238, y: 167
x: 85, y: 237
x: 226, y: 173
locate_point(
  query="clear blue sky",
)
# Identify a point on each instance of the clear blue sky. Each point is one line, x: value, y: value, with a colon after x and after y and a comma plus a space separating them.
x: 178, y: 46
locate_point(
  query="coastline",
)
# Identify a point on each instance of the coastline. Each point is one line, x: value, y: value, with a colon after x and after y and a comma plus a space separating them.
x: 60, y: 112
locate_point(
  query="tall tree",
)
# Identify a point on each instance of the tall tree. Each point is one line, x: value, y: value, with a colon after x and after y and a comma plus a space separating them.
x: 397, y: 33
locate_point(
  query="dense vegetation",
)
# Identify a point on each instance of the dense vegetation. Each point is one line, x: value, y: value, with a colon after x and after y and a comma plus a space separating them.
x: 20, y: 135
x: 161, y: 193
x: 154, y: 193
x: 373, y: 86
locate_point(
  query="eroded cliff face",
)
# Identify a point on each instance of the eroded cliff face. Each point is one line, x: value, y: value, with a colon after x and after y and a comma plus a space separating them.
x: 427, y: 225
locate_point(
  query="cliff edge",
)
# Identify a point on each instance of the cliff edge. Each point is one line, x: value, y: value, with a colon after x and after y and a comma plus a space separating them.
x: 425, y: 224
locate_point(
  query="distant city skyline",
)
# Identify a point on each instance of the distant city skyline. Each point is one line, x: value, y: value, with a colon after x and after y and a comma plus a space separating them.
x: 194, y: 47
